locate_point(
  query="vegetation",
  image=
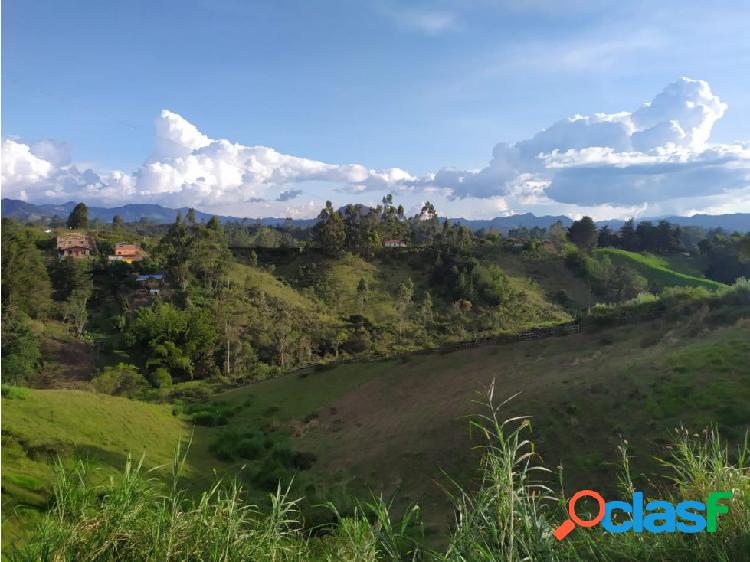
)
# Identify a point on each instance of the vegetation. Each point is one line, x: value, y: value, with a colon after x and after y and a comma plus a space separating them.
x: 304, y: 357
x: 510, y: 516
x: 656, y: 270
x: 79, y: 217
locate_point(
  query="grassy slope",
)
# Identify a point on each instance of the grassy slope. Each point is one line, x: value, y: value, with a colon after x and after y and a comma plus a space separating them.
x: 660, y: 272
x: 385, y: 275
x: 393, y: 426
x: 42, y: 425
x: 269, y: 284
x: 547, y: 275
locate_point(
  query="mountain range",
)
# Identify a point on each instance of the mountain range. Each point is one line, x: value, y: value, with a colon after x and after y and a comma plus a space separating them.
x: 159, y: 214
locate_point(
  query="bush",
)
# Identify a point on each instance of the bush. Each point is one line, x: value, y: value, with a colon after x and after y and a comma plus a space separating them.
x: 21, y: 351
x: 211, y: 415
x: 15, y: 392
x: 250, y: 447
x: 209, y: 419
x: 123, y: 379
x: 161, y: 379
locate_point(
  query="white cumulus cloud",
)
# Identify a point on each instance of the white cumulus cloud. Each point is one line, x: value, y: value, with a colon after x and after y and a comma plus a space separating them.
x: 186, y: 168
x: 657, y: 157
x: 660, y: 151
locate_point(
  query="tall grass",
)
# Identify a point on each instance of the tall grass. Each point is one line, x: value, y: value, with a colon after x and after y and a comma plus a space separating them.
x: 504, y: 519
x: 508, y: 516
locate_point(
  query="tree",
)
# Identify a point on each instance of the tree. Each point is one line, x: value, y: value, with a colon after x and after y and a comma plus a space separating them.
x: 743, y: 247
x: 182, y: 341
x: 462, y: 309
x: 213, y: 223
x: 557, y: 231
x: 25, y: 282
x: 403, y: 302
x: 330, y: 233
x: 21, y: 350
x: 362, y: 291
x: 426, y: 308
x: 428, y: 221
x: 627, y: 235
x: 75, y: 310
x: 123, y: 379
x: 625, y: 283
x: 79, y: 217
x: 73, y: 285
x: 583, y: 234
x: 191, y: 216
x: 117, y: 222
x: 608, y: 238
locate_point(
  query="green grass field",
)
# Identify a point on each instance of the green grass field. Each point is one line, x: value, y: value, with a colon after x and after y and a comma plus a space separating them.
x: 40, y: 426
x: 660, y: 272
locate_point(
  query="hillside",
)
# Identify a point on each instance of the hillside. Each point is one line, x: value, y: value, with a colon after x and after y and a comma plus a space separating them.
x: 659, y: 272
x: 394, y: 426
x: 399, y: 426
x: 40, y: 426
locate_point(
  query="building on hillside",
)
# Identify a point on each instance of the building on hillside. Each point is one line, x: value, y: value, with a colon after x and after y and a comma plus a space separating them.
x: 151, y: 282
x: 150, y: 278
x: 394, y: 244
x: 74, y: 245
x: 127, y: 253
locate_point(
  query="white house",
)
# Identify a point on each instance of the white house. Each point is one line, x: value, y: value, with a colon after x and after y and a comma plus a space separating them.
x: 395, y: 244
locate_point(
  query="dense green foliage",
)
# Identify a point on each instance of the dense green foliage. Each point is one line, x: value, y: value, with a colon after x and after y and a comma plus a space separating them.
x: 26, y: 284
x: 79, y: 217
x: 21, y: 351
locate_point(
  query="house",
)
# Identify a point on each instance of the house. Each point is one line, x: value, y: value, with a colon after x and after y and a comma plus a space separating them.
x: 127, y: 253
x: 394, y: 244
x: 151, y: 282
x: 73, y: 245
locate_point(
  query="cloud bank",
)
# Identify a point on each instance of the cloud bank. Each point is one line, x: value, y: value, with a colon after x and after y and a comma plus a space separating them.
x: 656, y: 153
x: 658, y: 156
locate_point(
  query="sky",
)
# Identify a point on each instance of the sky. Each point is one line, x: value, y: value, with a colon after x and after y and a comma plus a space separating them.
x: 484, y: 107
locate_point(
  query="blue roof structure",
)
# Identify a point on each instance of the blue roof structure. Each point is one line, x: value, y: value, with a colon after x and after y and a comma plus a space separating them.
x: 155, y: 276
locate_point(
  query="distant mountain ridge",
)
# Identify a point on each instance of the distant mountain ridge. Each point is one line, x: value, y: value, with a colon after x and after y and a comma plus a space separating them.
x: 134, y: 212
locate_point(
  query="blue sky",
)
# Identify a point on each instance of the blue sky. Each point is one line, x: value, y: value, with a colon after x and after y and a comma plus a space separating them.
x: 383, y: 85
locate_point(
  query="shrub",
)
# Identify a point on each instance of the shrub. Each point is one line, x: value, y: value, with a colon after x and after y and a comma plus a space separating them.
x: 211, y: 415
x: 123, y: 379
x: 161, y: 379
x: 21, y: 351
x: 15, y: 392
x: 250, y: 447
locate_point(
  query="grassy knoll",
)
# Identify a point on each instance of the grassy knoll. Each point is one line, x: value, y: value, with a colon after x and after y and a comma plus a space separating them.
x: 660, y: 272
x: 40, y: 426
